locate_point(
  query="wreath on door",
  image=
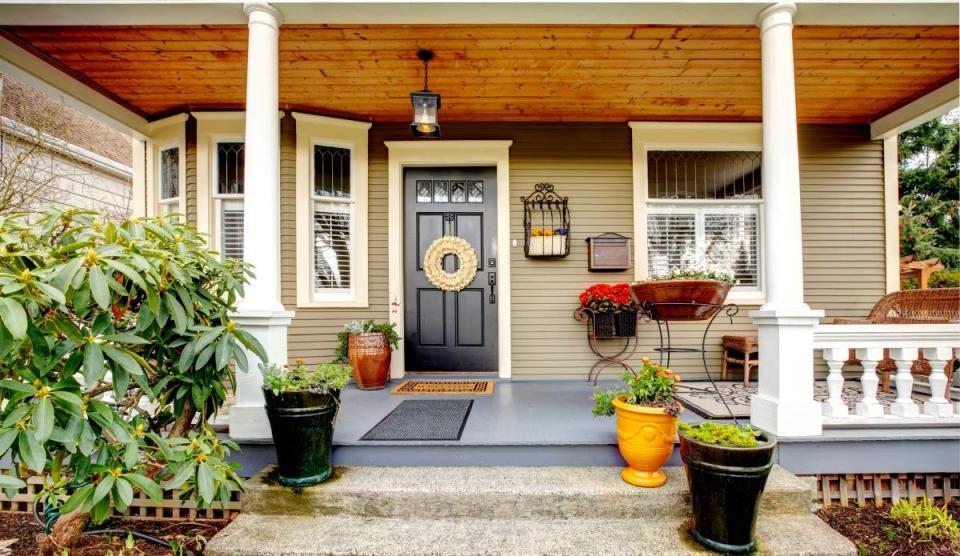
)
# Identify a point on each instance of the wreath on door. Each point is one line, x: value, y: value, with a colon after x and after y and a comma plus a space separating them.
x: 433, y: 263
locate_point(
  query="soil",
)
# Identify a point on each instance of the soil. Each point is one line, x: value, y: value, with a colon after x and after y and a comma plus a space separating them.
x: 875, y: 533
x: 192, y: 534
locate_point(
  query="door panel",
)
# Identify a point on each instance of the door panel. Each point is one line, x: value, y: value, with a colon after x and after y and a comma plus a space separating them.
x: 450, y: 331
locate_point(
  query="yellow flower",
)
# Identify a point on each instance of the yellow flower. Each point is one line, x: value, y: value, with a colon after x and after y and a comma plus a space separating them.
x: 536, y: 232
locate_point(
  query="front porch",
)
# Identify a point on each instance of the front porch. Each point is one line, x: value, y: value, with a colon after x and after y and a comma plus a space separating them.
x: 548, y: 423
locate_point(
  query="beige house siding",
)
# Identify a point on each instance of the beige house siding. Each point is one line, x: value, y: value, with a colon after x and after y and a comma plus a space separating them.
x: 842, y: 195
x: 190, y: 156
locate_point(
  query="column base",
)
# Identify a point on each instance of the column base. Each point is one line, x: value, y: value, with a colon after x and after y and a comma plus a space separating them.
x: 784, y: 404
x: 248, y: 420
x: 909, y: 409
x: 937, y: 409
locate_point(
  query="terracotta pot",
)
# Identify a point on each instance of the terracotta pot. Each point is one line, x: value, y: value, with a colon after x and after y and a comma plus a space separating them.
x: 682, y: 292
x: 645, y: 437
x: 369, y: 355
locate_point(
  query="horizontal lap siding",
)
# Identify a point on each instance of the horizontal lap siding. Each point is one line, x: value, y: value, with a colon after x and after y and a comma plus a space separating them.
x: 842, y: 195
x: 190, y: 188
x: 842, y: 204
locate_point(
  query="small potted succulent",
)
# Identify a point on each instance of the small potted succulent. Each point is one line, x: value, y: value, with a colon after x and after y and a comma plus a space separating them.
x: 685, y: 294
x: 368, y: 347
x: 302, y: 406
x: 613, y: 310
x: 727, y: 467
x: 646, y: 414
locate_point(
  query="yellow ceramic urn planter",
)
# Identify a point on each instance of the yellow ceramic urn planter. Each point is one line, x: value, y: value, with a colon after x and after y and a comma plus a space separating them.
x: 645, y: 436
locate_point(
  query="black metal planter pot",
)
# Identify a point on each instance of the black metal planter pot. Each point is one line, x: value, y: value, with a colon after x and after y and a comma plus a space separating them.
x: 302, y: 426
x: 725, y: 487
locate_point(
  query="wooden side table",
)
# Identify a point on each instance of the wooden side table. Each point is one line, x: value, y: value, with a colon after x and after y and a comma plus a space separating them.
x: 742, y: 351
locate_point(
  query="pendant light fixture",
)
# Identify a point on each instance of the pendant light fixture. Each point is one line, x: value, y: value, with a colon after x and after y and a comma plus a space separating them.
x: 425, y: 104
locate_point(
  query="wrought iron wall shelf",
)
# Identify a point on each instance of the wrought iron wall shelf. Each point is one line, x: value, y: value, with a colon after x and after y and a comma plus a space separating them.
x: 546, y: 223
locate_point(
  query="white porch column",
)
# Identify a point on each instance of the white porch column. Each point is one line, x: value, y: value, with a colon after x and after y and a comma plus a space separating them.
x: 784, y: 404
x: 261, y: 312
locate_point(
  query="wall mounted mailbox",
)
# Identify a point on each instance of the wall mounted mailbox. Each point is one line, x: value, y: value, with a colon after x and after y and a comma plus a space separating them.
x: 608, y: 252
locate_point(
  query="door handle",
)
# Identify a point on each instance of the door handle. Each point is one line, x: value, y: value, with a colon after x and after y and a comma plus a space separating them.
x: 492, y: 281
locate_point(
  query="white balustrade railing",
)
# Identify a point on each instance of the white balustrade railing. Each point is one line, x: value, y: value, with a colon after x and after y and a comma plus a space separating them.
x: 904, y: 344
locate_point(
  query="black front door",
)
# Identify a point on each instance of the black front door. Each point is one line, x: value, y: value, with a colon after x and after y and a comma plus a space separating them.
x: 450, y: 331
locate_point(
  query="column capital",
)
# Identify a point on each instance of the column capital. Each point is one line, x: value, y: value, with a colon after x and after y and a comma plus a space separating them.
x: 780, y: 13
x: 262, y: 12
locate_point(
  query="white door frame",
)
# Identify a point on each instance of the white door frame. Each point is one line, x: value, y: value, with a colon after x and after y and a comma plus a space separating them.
x: 402, y: 154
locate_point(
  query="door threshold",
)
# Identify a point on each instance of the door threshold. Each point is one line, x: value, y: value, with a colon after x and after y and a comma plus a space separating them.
x: 451, y: 375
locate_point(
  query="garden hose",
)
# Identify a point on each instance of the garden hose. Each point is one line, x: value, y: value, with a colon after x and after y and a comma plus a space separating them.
x: 52, y: 513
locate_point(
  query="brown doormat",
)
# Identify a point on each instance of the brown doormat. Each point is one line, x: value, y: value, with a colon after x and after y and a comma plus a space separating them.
x: 444, y: 388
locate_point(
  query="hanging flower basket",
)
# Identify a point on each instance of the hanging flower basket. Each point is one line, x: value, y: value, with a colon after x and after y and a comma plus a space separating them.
x: 605, y: 325
x: 693, y: 299
x: 614, y: 310
x: 627, y: 323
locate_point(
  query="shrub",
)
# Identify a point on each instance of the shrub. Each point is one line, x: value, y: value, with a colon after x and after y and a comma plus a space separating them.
x: 324, y: 378
x: 358, y: 327
x: 137, y: 309
x: 651, y: 386
x: 949, y: 278
x: 722, y: 434
x: 925, y: 519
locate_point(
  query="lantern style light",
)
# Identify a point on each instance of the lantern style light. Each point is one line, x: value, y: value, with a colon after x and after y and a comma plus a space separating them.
x: 425, y: 103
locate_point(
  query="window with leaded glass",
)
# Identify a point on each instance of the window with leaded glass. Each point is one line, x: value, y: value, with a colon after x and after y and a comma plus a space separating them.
x: 169, y: 180
x: 228, y: 198
x: 334, y: 219
x: 703, y: 212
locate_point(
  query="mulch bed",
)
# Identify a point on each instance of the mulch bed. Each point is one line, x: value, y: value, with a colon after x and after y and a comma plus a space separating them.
x: 875, y: 533
x: 191, y: 534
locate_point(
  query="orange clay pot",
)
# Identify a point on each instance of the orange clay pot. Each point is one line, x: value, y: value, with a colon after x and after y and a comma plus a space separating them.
x: 645, y: 436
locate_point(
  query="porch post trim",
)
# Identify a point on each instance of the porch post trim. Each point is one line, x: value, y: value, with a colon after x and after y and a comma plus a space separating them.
x: 784, y: 404
x: 449, y: 153
x: 891, y: 213
x: 261, y: 312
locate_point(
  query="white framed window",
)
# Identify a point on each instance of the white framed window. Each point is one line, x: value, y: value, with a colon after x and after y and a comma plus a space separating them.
x: 228, y: 160
x: 698, y: 202
x: 168, y: 178
x: 166, y: 164
x: 331, y: 212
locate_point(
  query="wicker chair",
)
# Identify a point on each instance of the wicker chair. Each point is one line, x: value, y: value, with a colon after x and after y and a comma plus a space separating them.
x: 937, y: 306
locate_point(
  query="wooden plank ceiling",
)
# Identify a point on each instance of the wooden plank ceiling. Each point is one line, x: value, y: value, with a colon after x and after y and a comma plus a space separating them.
x: 510, y: 73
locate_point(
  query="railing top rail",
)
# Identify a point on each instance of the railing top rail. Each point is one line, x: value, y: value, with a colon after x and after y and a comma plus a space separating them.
x: 887, y: 335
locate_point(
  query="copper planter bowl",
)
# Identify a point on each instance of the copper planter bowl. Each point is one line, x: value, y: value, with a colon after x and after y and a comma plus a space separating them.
x: 695, y: 299
x: 369, y: 355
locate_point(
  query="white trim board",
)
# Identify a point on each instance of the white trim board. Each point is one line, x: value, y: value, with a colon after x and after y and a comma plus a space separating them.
x: 639, y: 12
x: 403, y: 154
x: 932, y: 105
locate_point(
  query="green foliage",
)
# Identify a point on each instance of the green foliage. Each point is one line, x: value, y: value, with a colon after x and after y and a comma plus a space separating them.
x: 323, y: 378
x: 652, y: 386
x: 696, y: 274
x: 927, y: 520
x: 930, y: 191
x: 358, y: 327
x: 98, y: 317
x: 949, y: 278
x: 722, y: 434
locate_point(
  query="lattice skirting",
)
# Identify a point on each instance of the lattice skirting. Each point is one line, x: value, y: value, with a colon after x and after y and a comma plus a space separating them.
x: 171, y: 507
x: 880, y: 489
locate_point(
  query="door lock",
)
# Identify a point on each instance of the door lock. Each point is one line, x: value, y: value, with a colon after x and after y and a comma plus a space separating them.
x: 492, y: 281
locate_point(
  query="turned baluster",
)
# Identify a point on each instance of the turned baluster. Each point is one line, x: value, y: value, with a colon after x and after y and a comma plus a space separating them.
x: 868, y: 406
x: 834, y: 406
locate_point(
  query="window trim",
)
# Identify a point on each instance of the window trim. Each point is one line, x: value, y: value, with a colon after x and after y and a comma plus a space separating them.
x: 213, y: 128
x: 315, y: 130
x: 691, y: 136
x: 217, y: 199
x: 166, y: 134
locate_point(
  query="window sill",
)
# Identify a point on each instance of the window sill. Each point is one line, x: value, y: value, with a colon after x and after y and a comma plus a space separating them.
x: 334, y: 304
x: 746, y: 298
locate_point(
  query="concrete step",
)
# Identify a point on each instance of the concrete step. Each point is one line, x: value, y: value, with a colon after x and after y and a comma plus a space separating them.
x: 501, y: 492
x: 259, y: 535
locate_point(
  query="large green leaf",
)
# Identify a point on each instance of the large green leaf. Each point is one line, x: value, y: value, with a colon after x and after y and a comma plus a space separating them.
x: 205, y: 486
x: 9, y: 481
x: 181, y: 476
x: 31, y: 452
x: 43, y: 418
x: 130, y: 273
x: 103, y: 487
x: 124, y: 359
x: 77, y: 499
x: 207, y: 337
x: 99, y: 288
x: 130, y: 454
x: 51, y: 292
x: 17, y: 386
x: 223, y: 351
x: 146, y: 486
x: 14, y: 317
x: 7, y: 439
x: 123, y: 494
x: 176, y: 312
x: 93, y: 369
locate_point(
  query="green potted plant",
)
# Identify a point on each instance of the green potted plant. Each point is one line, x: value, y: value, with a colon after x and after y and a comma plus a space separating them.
x: 368, y: 347
x: 685, y: 294
x: 302, y: 406
x: 727, y: 467
x: 646, y: 421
